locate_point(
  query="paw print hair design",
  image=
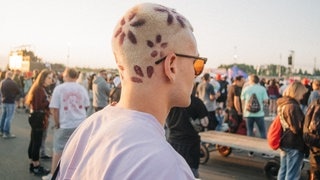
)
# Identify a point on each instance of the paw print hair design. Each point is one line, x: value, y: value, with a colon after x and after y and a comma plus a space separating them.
x: 144, y: 35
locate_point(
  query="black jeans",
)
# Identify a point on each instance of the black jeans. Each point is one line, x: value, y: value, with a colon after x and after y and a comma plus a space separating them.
x: 213, y: 122
x: 35, y: 144
x: 36, y: 120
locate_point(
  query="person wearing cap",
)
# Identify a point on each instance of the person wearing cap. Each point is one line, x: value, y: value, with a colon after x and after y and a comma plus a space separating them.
x: 157, y: 58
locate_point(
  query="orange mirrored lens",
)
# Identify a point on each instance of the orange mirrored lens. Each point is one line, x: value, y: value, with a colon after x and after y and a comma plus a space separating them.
x: 198, y: 66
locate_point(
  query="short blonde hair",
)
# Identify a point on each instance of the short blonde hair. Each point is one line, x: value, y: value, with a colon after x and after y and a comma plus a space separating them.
x: 145, y: 34
x: 295, y: 89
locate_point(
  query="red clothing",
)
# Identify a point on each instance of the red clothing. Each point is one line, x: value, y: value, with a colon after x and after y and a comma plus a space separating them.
x: 273, y: 90
x: 40, y: 101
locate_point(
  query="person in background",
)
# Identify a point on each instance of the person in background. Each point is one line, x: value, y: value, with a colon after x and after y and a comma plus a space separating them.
x: 292, y: 147
x: 273, y: 93
x: 157, y: 58
x: 304, y: 101
x: 220, y: 118
x: 68, y: 105
x: 233, y: 99
x: 38, y: 100
x: 206, y: 93
x: 19, y: 81
x: 100, y: 90
x: 9, y: 92
x: 91, y: 77
x: 115, y: 92
x: 222, y: 99
x: 27, y: 85
x: 254, y: 117
x: 43, y: 149
x: 315, y: 94
x: 183, y: 135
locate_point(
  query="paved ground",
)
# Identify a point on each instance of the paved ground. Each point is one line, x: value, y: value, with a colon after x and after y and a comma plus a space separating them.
x: 14, y: 161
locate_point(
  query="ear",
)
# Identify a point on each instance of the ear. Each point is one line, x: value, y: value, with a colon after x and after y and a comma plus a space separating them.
x: 170, y: 66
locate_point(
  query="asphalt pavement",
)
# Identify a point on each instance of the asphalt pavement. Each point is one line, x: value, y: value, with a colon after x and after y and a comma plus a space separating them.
x: 14, y: 162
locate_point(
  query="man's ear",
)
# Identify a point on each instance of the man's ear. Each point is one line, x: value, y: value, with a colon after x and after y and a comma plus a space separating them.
x: 170, y: 66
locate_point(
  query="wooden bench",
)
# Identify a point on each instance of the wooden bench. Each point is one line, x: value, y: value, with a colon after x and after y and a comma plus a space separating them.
x: 237, y: 141
x: 224, y: 140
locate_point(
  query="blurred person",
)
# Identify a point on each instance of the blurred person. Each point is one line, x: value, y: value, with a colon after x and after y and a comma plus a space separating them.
x: 234, y: 106
x: 183, y: 136
x: 206, y: 93
x: 273, y: 93
x: 19, y: 81
x: 304, y: 101
x: 101, y: 91
x: 27, y: 85
x: 43, y: 149
x: 35, y: 74
x: 90, y: 110
x: 157, y: 59
x: 83, y: 80
x: 115, y: 92
x: 220, y: 118
x: 292, y: 147
x: 254, y: 117
x: 283, y: 86
x: 68, y: 106
x: 311, y: 138
x: 222, y: 99
x: 234, y: 93
x: 38, y: 101
x: 9, y: 92
x: 315, y: 94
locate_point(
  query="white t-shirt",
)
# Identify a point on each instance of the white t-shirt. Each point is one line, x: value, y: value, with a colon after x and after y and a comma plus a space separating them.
x: 117, y: 143
x: 71, y: 99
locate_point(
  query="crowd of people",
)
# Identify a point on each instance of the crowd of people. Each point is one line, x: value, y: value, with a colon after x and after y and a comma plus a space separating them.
x: 62, y: 97
x: 157, y: 60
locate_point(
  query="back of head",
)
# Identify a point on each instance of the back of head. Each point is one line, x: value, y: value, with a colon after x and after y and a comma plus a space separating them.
x: 145, y: 34
x: 9, y: 74
x: 238, y: 78
x: 206, y: 76
x: 295, y: 90
x: 71, y: 73
x: 316, y: 84
x: 254, y: 79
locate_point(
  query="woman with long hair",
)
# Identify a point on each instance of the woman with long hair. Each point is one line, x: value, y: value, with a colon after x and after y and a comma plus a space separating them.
x: 38, y: 101
x: 273, y: 93
x: 292, y: 145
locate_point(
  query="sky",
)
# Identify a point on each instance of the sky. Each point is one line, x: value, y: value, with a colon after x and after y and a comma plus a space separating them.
x: 78, y: 32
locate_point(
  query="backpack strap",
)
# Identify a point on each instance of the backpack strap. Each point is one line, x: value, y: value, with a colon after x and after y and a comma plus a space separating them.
x: 56, y: 171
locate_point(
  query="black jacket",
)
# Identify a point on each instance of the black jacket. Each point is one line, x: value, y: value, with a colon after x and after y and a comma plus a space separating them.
x: 9, y: 91
x: 293, y: 115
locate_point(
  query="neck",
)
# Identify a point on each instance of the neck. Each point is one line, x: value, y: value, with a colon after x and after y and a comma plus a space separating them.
x: 143, y: 100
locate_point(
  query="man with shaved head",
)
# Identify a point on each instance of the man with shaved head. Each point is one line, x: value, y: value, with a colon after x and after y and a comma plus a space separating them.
x: 157, y: 58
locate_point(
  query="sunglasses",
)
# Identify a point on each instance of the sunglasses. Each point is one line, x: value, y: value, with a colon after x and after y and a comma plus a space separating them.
x: 198, y: 63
